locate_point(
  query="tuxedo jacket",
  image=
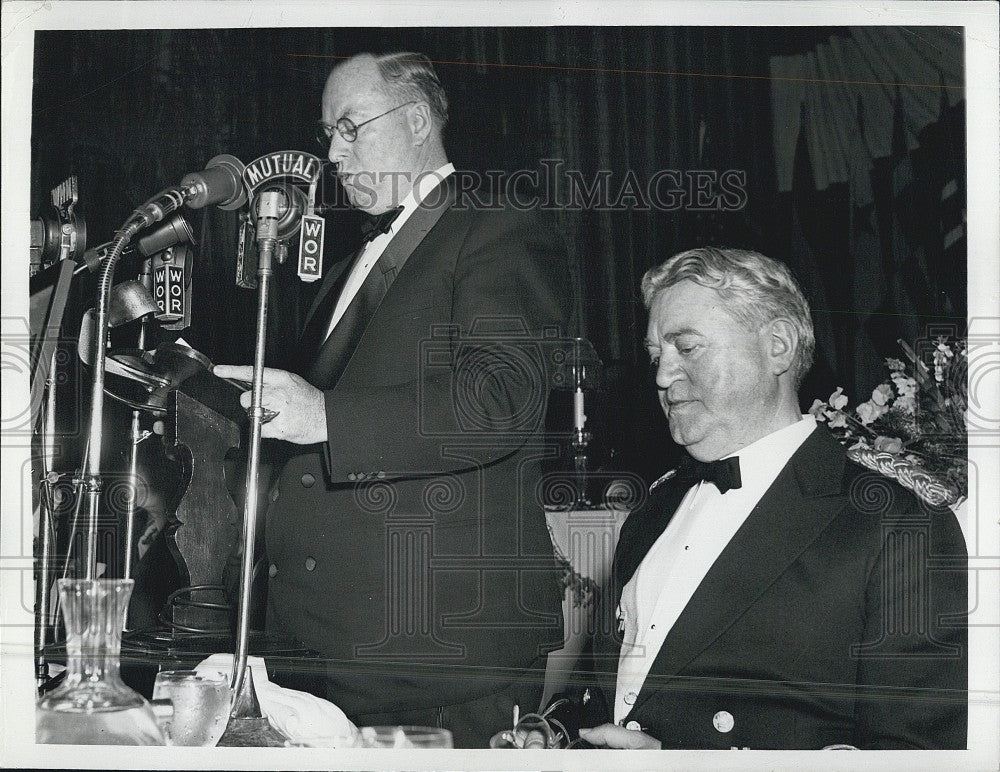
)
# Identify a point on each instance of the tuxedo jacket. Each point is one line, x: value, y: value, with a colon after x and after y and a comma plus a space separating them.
x: 835, y: 615
x: 410, y: 549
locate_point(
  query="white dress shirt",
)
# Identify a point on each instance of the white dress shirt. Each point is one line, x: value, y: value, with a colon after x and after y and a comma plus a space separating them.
x: 703, y: 525
x: 373, y: 250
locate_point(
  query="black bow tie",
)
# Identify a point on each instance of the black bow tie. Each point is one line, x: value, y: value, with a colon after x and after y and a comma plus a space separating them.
x: 725, y: 473
x: 376, y: 224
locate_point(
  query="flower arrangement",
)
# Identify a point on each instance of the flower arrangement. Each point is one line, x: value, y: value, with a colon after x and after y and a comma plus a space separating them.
x: 913, y: 427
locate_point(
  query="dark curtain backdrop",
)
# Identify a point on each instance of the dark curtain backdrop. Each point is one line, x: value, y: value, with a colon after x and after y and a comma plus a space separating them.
x: 130, y: 112
x: 869, y: 143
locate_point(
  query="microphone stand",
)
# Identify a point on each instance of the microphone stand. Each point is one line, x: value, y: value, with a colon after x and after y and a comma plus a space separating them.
x: 221, y: 183
x: 153, y: 211
x: 72, y: 236
x: 136, y: 436
x: 247, y: 724
x: 46, y: 527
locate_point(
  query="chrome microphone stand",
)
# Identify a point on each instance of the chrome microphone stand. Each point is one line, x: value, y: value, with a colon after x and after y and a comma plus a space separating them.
x: 219, y: 183
x: 46, y: 531
x: 247, y: 725
x: 153, y: 211
x: 136, y: 436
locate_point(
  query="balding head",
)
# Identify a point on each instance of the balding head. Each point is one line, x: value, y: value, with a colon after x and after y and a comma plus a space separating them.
x: 399, y: 109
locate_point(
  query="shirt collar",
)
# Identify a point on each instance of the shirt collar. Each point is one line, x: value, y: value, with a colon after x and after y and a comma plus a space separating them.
x: 425, y: 184
x: 764, y: 458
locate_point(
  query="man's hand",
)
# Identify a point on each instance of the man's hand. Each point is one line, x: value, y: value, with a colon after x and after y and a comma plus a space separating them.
x: 301, y: 413
x: 614, y: 736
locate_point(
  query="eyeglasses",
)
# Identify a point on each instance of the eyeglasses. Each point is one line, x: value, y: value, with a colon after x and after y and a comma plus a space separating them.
x: 347, y: 128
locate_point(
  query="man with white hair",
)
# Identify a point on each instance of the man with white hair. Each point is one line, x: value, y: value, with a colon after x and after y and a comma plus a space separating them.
x: 769, y: 593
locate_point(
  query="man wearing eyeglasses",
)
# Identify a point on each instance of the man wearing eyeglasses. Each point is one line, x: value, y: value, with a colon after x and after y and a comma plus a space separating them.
x: 405, y: 538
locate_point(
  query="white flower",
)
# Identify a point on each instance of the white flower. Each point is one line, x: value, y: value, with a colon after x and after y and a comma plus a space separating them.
x: 943, y: 349
x: 818, y: 410
x: 882, y: 394
x: 837, y: 420
x: 889, y: 444
x: 838, y: 400
x: 905, y: 386
x: 942, y: 353
x: 906, y: 404
x: 896, y: 365
x: 870, y: 411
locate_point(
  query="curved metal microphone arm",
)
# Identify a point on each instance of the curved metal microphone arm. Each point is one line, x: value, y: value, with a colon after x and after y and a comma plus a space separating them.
x: 146, y: 215
x: 200, y: 189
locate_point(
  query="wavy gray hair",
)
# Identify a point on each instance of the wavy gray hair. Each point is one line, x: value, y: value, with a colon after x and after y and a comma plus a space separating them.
x: 411, y: 76
x: 756, y: 288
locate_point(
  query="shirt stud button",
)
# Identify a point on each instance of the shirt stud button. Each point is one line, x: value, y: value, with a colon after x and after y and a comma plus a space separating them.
x: 633, y: 726
x: 723, y: 721
x: 310, y: 564
x: 630, y: 698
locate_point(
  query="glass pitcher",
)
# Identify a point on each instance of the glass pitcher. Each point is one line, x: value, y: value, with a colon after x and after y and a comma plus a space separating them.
x: 93, y: 706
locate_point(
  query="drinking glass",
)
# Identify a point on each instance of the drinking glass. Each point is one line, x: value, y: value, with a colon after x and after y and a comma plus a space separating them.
x: 405, y: 737
x: 201, y: 706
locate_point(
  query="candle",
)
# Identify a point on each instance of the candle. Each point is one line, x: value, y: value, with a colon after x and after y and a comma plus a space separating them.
x: 579, y: 418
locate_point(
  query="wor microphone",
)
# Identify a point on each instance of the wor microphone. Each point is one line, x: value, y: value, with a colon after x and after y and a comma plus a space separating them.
x: 220, y: 183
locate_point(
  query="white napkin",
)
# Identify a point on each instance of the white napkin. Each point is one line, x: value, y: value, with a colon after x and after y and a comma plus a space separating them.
x: 300, y: 716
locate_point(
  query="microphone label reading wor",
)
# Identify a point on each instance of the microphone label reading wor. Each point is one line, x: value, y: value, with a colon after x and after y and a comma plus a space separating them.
x: 311, y: 247
x: 171, y: 274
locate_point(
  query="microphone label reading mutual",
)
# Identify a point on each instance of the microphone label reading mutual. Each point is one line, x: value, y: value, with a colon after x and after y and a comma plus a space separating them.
x: 283, y: 172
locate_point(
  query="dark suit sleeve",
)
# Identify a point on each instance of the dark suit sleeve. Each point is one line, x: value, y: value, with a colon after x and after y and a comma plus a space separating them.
x: 913, y: 668
x: 487, y: 380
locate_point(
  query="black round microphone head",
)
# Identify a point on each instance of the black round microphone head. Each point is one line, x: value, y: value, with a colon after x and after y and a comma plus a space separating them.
x: 176, y: 230
x: 220, y: 183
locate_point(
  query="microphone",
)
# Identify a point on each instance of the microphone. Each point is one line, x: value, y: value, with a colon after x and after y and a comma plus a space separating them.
x: 221, y: 182
x: 282, y: 205
x: 174, y: 230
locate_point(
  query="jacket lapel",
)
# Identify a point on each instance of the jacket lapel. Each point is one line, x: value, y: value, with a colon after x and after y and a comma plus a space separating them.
x: 642, y: 528
x: 320, y: 312
x: 789, y: 517
x: 329, y: 290
x: 639, y: 532
x: 338, y: 349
